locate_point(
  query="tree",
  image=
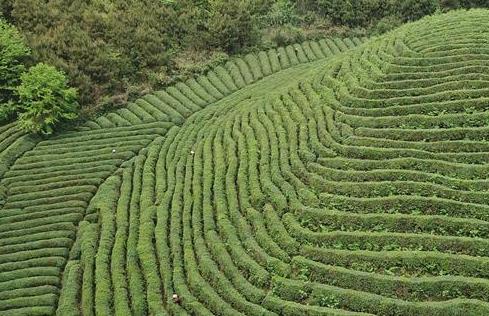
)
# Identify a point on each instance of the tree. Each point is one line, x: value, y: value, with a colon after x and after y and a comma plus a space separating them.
x: 233, y: 25
x: 13, y: 52
x: 45, y: 99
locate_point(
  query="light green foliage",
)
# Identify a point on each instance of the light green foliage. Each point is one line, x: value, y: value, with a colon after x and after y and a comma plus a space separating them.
x: 13, y: 52
x: 45, y: 99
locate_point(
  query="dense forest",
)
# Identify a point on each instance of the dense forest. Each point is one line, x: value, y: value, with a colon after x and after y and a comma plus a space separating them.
x: 114, y: 51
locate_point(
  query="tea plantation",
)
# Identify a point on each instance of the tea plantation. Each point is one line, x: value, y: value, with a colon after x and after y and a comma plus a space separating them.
x: 338, y: 177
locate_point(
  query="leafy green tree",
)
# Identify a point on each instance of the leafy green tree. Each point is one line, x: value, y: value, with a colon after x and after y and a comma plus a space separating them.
x: 45, y: 99
x: 13, y: 52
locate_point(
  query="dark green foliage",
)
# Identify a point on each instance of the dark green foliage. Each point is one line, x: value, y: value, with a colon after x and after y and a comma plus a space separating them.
x: 365, y: 12
x: 106, y: 50
x: 454, y: 4
x: 232, y: 25
x: 383, y: 15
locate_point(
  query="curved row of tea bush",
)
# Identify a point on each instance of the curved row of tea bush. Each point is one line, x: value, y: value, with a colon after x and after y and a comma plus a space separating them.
x: 68, y: 216
x: 357, y: 187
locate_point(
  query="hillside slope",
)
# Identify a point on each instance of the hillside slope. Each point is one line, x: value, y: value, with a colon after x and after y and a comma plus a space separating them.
x: 47, y: 194
x: 292, y: 182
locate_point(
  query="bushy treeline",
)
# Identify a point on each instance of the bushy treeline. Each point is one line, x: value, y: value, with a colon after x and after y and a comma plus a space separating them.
x: 364, y: 13
x: 113, y: 51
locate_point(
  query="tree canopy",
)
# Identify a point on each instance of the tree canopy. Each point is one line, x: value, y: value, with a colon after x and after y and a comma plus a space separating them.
x: 45, y: 99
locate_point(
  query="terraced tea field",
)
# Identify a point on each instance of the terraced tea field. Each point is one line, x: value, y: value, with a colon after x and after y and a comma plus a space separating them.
x: 339, y: 177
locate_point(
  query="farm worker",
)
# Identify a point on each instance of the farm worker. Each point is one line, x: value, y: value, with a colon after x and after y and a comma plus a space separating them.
x: 176, y: 299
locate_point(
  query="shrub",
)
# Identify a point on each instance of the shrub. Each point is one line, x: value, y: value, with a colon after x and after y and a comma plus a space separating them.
x: 45, y: 99
x: 386, y: 24
x: 286, y: 35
